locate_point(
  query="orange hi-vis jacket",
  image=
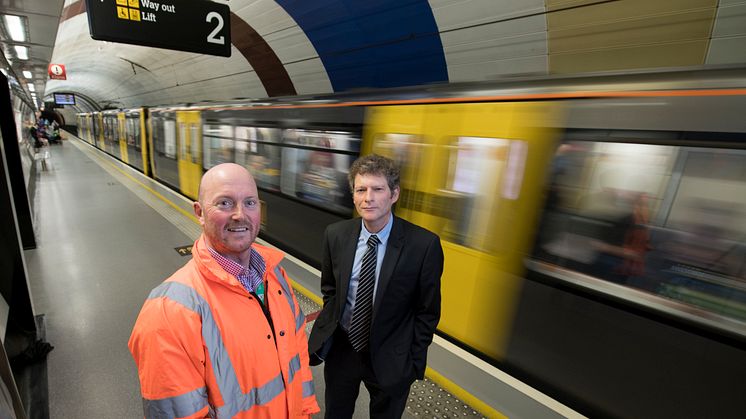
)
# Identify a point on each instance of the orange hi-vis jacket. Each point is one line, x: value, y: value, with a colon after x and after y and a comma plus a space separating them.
x: 204, y: 348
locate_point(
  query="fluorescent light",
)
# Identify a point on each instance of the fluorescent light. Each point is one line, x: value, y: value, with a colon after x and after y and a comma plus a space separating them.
x: 31, y: 87
x: 21, y: 52
x: 15, y: 28
x: 27, y: 74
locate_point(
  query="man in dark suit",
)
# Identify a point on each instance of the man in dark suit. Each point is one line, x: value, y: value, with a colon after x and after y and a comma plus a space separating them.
x: 380, y: 280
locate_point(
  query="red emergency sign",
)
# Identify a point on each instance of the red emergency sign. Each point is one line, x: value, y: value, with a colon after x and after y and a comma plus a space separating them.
x: 57, y: 72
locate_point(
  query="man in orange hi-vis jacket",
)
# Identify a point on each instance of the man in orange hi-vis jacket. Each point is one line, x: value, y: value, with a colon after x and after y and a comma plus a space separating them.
x: 224, y: 336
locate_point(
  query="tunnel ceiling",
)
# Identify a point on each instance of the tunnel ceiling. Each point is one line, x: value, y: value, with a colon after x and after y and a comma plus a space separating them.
x: 294, y: 47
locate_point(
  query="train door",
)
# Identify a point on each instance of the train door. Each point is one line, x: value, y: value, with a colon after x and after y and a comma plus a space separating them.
x: 98, y: 124
x: 473, y: 174
x: 88, y: 123
x: 122, y: 136
x: 189, y: 137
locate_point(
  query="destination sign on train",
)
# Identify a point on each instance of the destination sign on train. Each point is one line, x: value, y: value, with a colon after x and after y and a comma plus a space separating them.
x: 184, y: 25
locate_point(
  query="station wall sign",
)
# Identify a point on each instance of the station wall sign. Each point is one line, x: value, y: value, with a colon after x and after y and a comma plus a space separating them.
x: 57, y: 72
x: 200, y: 26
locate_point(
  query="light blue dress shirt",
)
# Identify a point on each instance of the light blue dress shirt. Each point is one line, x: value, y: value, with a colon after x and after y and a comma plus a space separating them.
x: 362, y: 246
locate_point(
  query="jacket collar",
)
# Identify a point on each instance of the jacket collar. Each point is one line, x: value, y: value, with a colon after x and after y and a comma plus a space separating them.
x: 210, y: 268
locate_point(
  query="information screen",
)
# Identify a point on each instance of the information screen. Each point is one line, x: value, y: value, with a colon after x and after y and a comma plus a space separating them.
x: 64, y: 99
x: 199, y: 26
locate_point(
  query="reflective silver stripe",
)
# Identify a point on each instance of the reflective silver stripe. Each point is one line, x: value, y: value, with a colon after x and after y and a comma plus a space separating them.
x: 256, y: 396
x: 293, y: 367
x: 179, y: 406
x: 262, y: 395
x: 286, y: 288
x: 308, y: 389
x: 225, y: 374
x: 299, y: 319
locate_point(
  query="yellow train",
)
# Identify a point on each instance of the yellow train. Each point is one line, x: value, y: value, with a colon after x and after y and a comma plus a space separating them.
x: 569, y: 210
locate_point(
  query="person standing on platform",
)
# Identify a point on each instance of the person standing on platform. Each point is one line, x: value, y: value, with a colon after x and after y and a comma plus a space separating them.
x: 380, y: 281
x: 224, y: 336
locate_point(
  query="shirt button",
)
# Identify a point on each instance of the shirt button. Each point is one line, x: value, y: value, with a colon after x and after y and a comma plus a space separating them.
x: 282, y: 333
x: 279, y: 292
x: 269, y: 337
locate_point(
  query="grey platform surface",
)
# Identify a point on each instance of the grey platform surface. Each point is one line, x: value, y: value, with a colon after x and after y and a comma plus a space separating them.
x: 104, y: 241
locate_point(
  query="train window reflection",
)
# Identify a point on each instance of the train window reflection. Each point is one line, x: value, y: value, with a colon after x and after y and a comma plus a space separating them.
x: 194, y: 136
x: 315, y: 166
x: 258, y: 149
x: 480, y: 172
x: 217, y: 144
x: 133, y: 130
x: 668, y: 221
x: 169, y: 134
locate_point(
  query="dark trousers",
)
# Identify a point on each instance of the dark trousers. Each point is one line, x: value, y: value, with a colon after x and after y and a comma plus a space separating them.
x: 344, y: 370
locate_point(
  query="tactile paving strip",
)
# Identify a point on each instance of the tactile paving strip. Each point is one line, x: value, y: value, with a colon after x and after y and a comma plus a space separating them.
x: 429, y: 400
x: 426, y: 399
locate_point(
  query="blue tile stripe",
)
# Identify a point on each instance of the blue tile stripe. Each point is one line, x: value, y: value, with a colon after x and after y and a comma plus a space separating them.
x: 382, y: 43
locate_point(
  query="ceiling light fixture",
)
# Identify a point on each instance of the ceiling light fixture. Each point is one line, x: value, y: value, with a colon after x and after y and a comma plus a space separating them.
x: 14, y: 24
x: 21, y: 52
x: 27, y: 74
x: 31, y: 87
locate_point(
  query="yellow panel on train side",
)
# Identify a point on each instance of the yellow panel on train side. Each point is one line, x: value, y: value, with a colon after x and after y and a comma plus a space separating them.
x: 122, y: 126
x: 143, y: 143
x: 473, y: 174
x: 151, y: 147
x: 189, y: 142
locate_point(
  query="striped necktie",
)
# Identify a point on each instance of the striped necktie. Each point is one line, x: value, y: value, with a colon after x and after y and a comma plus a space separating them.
x: 359, y: 332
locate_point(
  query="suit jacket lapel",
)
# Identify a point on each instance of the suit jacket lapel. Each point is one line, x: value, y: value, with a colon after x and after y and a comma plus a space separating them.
x: 349, y: 246
x: 393, y: 250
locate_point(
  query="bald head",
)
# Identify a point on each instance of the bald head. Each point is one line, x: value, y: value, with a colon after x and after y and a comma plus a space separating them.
x: 223, y: 173
x: 229, y: 210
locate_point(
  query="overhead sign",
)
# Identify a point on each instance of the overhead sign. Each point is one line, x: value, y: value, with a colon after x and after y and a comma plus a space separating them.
x: 57, y: 72
x: 64, y: 99
x: 185, y: 25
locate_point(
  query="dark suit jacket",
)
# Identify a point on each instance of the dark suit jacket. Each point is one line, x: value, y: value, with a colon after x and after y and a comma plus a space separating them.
x: 406, y: 308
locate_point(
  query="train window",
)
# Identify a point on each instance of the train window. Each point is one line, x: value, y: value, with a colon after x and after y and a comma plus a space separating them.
x: 667, y: 222
x: 194, y: 136
x: 169, y: 134
x: 263, y: 134
x: 133, y: 130
x: 217, y: 144
x: 481, y: 173
x: 258, y: 149
x: 315, y: 165
x: 157, y: 135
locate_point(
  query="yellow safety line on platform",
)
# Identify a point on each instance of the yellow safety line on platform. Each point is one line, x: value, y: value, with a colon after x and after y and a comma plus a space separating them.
x: 151, y: 190
x: 462, y: 394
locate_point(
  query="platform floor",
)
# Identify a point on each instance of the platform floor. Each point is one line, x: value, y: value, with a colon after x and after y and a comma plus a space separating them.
x: 107, y: 236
